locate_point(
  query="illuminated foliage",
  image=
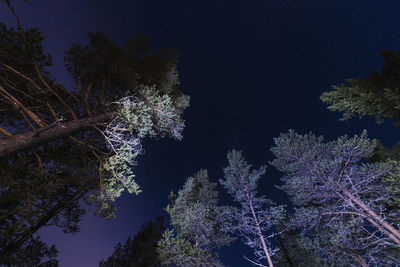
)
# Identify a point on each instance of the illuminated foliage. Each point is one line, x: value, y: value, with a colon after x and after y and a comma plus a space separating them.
x: 377, y: 95
x: 337, y: 192
x: 78, y: 143
x: 196, y: 219
x: 254, y: 221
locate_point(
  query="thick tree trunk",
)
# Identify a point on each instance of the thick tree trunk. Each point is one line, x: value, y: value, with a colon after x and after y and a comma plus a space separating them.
x: 394, y: 233
x: 22, y: 142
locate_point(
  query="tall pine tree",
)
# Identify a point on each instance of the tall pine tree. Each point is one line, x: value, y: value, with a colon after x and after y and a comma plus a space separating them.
x: 196, y: 220
x: 376, y: 95
x: 257, y: 215
x: 61, y: 145
x: 340, y: 199
x: 141, y: 250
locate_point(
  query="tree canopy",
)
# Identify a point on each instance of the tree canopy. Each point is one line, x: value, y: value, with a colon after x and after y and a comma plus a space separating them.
x: 65, y: 149
x: 141, y: 250
x: 376, y: 95
x: 61, y: 145
x: 257, y: 216
x: 196, y: 220
x: 340, y: 196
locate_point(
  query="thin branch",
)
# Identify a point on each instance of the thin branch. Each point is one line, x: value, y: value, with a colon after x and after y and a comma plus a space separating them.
x: 92, y: 148
x: 39, y: 160
x: 54, y: 92
x: 10, y: 6
x: 27, y: 120
x: 23, y: 76
x: 53, y: 113
x: 86, y: 99
x: 19, y: 104
x: 68, y: 92
x: 255, y: 263
x: 5, y: 132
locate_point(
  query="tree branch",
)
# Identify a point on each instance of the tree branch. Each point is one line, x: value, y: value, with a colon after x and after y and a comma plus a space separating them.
x: 28, y: 140
x: 53, y: 92
x: 19, y: 104
x: 5, y: 132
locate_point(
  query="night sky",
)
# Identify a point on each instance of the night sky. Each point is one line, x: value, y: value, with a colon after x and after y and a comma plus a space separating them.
x: 253, y: 69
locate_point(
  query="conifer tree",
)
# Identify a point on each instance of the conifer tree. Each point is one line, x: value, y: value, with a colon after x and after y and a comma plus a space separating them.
x: 196, y: 220
x: 257, y: 215
x: 61, y: 145
x: 297, y: 250
x: 340, y: 197
x: 141, y: 250
x: 377, y: 95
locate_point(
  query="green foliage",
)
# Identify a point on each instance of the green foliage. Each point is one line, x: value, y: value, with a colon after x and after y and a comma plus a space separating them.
x: 17, y: 54
x: 32, y: 197
x: 239, y: 181
x: 115, y: 72
x: 141, y: 251
x: 133, y: 85
x: 147, y: 104
x: 152, y: 115
x: 195, y: 218
x: 392, y: 180
x: 304, y: 158
x: 333, y: 241
x: 178, y: 251
x: 33, y: 253
x: 377, y: 95
x: 256, y: 213
x: 335, y: 191
x: 299, y: 250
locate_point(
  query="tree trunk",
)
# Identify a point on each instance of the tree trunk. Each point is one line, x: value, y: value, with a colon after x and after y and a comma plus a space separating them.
x: 376, y: 217
x: 360, y: 260
x: 25, y: 141
x: 270, y: 263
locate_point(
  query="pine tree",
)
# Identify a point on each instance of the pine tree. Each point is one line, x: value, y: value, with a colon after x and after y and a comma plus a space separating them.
x: 61, y: 145
x: 377, y: 95
x: 340, y: 198
x: 141, y: 250
x: 257, y: 215
x: 196, y: 220
x: 298, y: 250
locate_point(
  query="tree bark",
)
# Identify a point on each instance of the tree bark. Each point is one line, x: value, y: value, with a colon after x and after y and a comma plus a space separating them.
x: 360, y: 260
x: 260, y: 234
x: 376, y: 217
x: 25, y: 141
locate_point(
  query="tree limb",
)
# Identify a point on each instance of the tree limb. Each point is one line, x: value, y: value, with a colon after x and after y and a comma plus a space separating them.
x: 16, y: 102
x: 28, y: 140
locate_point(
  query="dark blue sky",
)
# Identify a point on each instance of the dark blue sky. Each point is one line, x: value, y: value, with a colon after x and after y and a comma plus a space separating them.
x: 253, y: 69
